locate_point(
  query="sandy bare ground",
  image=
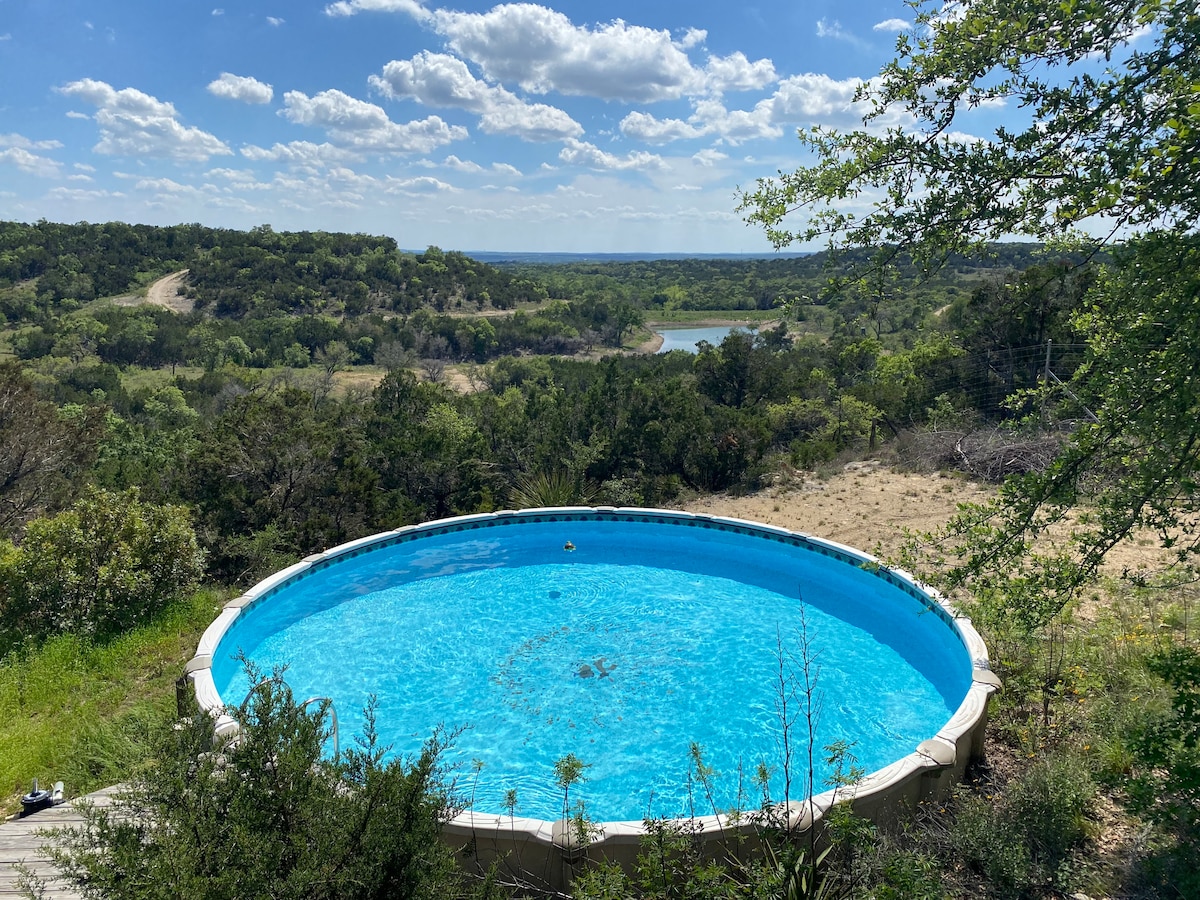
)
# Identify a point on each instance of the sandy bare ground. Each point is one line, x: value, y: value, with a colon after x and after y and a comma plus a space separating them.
x: 167, y: 292
x: 867, y: 505
x: 871, y: 506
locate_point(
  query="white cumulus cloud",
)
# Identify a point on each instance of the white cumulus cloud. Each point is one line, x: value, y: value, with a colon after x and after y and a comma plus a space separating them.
x: 434, y: 79
x: 80, y: 195
x: 441, y: 80
x: 460, y: 165
x: 304, y: 154
x: 542, y: 51
x: 19, y: 140
x: 818, y: 99
x: 736, y: 73
x: 241, y: 87
x: 422, y: 184
x: 164, y: 186
x: 896, y: 25
x: 645, y: 127
x: 30, y: 163
x: 811, y: 97
x: 581, y: 153
x: 358, y: 125
x: 709, y: 157
x: 133, y: 123
x: 351, y: 7
x: 738, y: 125
x: 530, y: 122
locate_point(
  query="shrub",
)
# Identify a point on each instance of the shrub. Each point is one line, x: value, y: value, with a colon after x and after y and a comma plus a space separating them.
x: 269, y: 816
x: 1025, y: 839
x: 1165, y: 787
x: 108, y: 563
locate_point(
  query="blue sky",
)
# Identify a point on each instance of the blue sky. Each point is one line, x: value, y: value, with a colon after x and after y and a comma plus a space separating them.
x: 570, y: 126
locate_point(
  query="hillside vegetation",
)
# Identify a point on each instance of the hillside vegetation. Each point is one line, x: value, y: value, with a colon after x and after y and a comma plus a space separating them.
x: 230, y: 432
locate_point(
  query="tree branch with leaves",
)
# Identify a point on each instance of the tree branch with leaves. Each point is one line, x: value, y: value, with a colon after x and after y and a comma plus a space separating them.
x: 1106, y: 156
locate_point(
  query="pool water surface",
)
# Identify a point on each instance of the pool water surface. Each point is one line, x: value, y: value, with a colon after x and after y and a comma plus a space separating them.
x: 621, y: 642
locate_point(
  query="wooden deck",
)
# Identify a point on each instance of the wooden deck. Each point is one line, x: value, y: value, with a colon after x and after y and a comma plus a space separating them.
x: 20, y: 844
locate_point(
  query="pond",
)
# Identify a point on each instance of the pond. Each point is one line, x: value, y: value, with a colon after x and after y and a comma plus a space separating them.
x: 687, y: 339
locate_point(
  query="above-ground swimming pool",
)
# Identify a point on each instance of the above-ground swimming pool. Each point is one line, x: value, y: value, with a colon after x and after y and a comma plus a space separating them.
x: 624, y: 637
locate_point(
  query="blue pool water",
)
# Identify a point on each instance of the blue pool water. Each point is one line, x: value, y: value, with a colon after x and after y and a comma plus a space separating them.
x: 644, y: 638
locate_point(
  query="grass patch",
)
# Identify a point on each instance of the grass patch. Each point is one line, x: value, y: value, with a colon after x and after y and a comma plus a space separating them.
x: 135, y: 378
x: 701, y: 317
x: 83, y: 713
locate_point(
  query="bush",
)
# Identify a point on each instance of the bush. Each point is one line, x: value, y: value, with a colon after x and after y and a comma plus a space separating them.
x: 108, y: 563
x: 1165, y: 787
x: 269, y: 816
x: 1026, y: 838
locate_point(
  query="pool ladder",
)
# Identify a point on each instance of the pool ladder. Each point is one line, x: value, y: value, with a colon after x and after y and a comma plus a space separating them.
x: 333, y: 716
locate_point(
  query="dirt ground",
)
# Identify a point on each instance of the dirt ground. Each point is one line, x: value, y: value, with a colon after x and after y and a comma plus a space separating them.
x: 869, y: 506
x: 164, y: 292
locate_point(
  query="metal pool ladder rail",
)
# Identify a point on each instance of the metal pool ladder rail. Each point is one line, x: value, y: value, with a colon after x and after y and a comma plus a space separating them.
x: 303, y: 706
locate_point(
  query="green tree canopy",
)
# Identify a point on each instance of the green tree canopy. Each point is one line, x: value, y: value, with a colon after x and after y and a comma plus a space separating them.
x: 1107, y: 155
x: 1111, y: 140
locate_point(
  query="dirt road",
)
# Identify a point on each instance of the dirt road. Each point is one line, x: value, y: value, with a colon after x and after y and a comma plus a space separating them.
x: 166, y: 292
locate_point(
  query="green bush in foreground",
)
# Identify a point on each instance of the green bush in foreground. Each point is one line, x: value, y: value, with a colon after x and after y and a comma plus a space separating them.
x: 269, y: 816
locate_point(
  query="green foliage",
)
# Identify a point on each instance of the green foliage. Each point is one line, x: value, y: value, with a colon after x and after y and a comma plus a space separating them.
x: 669, y: 866
x: 85, y: 713
x: 904, y: 873
x: 679, y: 289
x: 1134, y: 468
x: 279, y: 472
x: 107, y: 564
x: 269, y: 815
x: 935, y: 190
x: 568, y: 772
x: 1023, y: 841
x: 548, y: 489
x: 42, y: 452
x: 1165, y: 748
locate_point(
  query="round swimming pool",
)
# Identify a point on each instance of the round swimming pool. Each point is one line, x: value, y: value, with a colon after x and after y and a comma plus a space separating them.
x: 624, y: 637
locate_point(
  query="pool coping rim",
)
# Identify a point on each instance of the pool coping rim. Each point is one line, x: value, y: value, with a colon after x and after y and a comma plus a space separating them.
x: 948, y: 749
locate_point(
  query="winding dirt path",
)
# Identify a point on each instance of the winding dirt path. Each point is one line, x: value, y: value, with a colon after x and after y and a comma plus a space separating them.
x: 167, y: 292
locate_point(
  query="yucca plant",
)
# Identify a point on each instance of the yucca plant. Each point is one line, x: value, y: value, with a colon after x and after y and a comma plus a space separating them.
x: 550, y: 489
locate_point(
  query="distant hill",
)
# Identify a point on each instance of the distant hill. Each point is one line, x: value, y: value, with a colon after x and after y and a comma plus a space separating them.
x: 550, y: 259
x: 48, y: 269
x: 237, y: 274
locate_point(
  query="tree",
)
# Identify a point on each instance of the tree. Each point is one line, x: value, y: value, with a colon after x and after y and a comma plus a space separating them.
x: 270, y: 815
x: 1110, y: 146
x: 41, y: 451
x: 279, y: 464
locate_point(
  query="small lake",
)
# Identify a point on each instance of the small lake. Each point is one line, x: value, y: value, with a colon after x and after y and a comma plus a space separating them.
x: 686, y: 339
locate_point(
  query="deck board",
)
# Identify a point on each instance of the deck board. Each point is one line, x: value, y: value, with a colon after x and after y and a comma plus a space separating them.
x: 21, y: 841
